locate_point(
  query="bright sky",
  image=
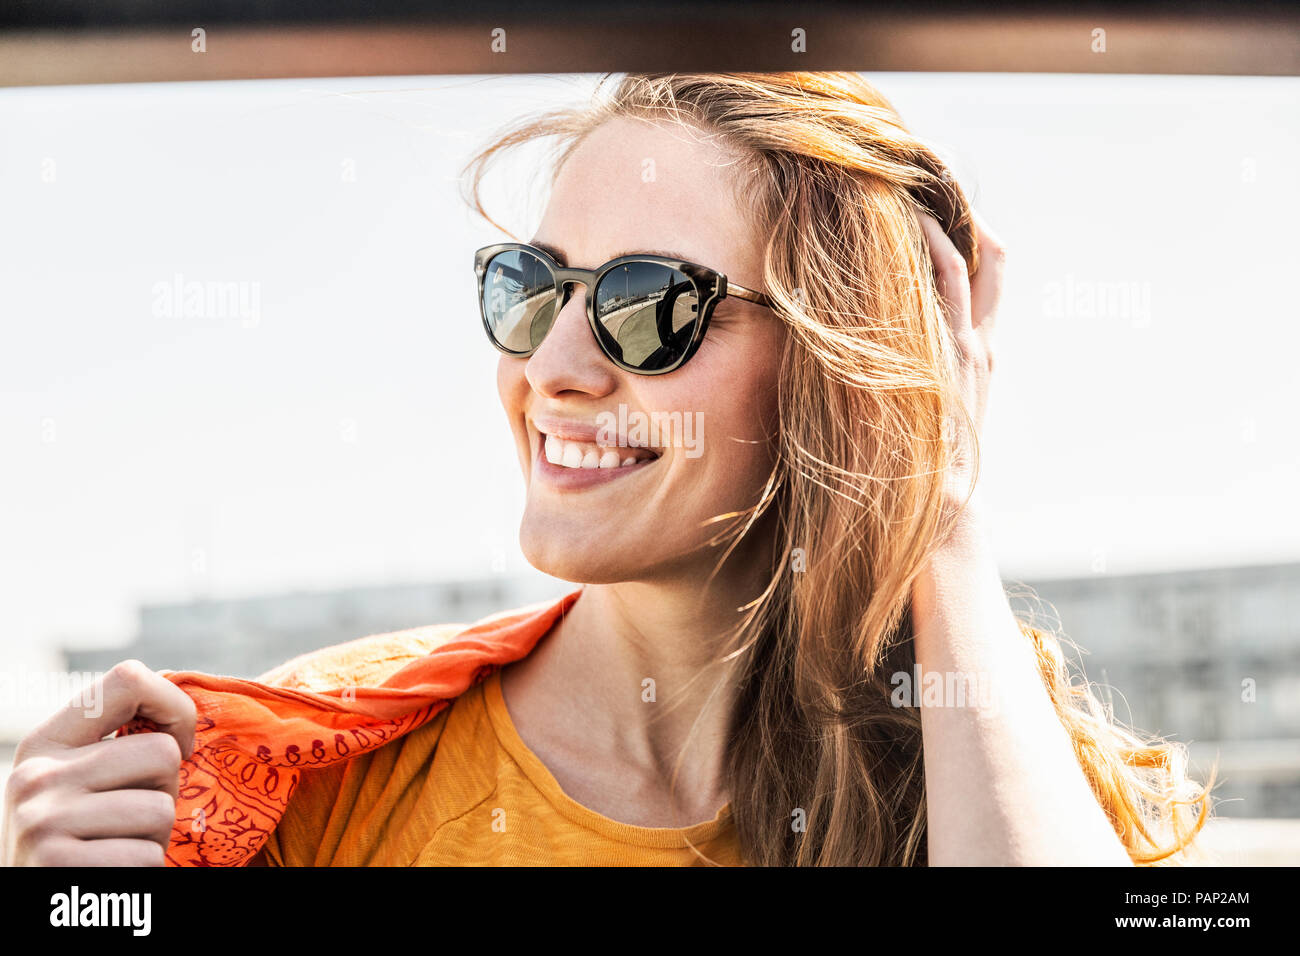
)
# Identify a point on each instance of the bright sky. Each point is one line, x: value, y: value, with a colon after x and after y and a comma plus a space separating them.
x: 347, y: 432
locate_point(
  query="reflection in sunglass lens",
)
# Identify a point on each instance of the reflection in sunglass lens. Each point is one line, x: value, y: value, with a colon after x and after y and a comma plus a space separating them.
x: 518, y: 300
x: 646, y: 314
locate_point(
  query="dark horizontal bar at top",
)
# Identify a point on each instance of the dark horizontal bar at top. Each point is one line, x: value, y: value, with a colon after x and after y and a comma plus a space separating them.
x: 835, y: 40
x: 144, y: 14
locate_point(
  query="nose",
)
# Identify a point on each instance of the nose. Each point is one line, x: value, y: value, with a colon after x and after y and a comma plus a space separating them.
x: 569, y: 360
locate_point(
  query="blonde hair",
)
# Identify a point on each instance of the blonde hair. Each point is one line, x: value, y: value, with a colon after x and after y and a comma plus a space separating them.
x: 865, y: 387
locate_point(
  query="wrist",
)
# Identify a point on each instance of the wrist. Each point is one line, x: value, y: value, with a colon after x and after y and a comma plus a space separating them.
x: 965, y: 522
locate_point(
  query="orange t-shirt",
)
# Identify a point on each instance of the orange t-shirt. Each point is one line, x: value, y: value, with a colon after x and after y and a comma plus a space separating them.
x: 464, y: 789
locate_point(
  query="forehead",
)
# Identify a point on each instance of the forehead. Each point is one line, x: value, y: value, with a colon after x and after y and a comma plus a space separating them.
x: 635, y: 185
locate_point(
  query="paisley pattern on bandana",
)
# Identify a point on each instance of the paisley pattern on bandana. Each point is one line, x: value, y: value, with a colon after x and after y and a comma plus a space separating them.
x: 253, y: 739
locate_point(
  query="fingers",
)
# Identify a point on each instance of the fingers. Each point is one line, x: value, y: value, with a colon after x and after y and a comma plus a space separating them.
x: 986, y: 287
x: 950, y: 273
x: 70, y: 851
x: 144, y: 761
x: 133, y: 814
x: 971, y: 304
x: 74, y: 798
x: 130, y: 689
x: 63, y: 803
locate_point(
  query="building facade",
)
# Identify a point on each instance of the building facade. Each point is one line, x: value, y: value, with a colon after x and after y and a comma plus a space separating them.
x: 1210, y: 658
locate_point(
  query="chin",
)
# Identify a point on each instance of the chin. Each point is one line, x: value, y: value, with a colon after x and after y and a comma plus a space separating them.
x: 571, y: 554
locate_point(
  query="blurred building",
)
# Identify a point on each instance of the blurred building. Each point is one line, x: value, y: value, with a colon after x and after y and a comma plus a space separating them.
x: 248, y: 636
x: 1210, y: 658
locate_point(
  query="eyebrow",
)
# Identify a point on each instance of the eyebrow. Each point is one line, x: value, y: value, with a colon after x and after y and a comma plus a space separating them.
x: 560, y: 257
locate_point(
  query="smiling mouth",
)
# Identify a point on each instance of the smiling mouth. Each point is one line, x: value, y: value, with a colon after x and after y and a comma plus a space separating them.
x: 581, y: 454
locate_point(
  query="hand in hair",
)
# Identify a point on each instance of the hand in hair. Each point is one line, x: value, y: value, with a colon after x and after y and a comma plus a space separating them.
x: 971, y: 303
x: 1003, y: 784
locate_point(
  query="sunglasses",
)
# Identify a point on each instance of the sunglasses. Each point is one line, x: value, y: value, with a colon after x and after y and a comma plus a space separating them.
x: 649, y: 313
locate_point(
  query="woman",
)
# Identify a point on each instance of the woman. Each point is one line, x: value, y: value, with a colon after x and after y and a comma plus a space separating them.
x: 767, y: 486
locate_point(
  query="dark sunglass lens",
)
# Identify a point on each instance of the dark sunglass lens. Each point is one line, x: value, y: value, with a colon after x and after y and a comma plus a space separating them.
x: 646, y: 314
x: 518, y: 300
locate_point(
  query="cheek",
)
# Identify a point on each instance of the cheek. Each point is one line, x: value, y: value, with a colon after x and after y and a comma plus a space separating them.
x: 512, y: 389
x: 739, y: 448
x: 736, y: 404
x: 745, y: 384
x: 510, y: 376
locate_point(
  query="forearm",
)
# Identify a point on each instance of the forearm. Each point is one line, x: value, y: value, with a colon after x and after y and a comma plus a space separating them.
x: 1003, y: 785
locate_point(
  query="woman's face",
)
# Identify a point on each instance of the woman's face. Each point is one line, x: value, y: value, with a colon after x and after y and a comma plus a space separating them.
x: 635, y: 187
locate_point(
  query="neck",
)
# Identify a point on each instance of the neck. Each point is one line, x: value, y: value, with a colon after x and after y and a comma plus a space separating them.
x: 634, y: 679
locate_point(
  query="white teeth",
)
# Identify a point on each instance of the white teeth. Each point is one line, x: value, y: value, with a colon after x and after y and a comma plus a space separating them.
x: 572, y: 454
